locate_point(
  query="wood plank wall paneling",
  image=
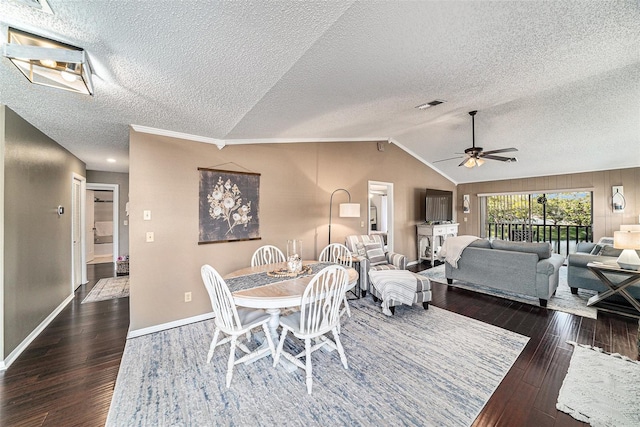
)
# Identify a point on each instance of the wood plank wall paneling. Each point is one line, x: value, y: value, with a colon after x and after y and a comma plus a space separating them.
x: 605, y: 221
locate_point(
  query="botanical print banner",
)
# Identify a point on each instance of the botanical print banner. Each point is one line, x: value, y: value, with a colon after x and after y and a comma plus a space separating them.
x: 229, y: 206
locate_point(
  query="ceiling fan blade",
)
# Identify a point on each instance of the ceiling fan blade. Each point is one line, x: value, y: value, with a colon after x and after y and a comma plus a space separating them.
x: 444, y: 160
x: 502, y: 150
x: 463, y: 162
x: 500, y: 158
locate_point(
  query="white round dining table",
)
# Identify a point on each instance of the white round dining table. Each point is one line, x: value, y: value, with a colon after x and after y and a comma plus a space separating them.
x: 249, y: 290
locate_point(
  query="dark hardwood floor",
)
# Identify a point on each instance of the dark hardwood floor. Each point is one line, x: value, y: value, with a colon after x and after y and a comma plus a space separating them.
x: 67, y: 375
x: 527, y: 396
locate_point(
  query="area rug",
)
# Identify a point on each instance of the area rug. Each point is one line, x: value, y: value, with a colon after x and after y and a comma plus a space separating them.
x: 419, y: 367
x: 563, y: 300
x: 601, y: 389
x: 111, y: 288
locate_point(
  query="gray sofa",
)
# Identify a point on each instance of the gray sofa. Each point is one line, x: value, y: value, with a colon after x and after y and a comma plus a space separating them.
x: 580, y: 277
x: 524, y: 268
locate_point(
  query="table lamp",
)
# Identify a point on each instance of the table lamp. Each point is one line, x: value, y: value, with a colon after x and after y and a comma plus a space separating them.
x: 628, y: 241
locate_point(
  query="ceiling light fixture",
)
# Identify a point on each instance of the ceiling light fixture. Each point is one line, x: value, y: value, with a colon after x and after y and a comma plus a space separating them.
x: 430, y: 104
x: 49, y: 63
x: 110, y: 160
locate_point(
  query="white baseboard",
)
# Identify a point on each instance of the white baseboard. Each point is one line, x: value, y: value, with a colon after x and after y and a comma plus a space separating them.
x: 412, y: 263
x: 164, y: 326
x: 4, y: 364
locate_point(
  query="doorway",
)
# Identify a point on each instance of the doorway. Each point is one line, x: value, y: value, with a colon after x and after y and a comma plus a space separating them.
x: 381, y: 211
x: 78, y: 238
x: 102, y: 223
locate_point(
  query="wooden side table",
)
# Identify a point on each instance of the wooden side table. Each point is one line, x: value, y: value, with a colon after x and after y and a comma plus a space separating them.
x: 633, y: 276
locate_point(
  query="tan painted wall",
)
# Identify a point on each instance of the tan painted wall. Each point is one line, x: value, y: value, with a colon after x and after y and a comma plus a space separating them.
x: 295, y: 187
x: 37, y: 243
x: 605, y: 222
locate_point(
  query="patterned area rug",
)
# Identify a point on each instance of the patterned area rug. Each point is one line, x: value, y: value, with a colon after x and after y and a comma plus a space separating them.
x: 601, y: 389
x: 111, y: 288
x: 419, y: 367
x: 563, y: 300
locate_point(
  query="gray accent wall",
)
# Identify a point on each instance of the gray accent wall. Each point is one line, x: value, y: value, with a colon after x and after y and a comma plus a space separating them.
x: 122, y: 180
x: 37, y: 274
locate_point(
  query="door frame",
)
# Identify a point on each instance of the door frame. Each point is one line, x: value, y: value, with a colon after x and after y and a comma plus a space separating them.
x: 76, y: 178
x: 116, y: 209
x: 390, y: 224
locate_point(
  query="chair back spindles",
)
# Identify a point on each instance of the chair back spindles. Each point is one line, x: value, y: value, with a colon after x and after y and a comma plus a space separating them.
x: 320, y: 309
x: 336, y: 253
x: 221, y: 300
x: 267, y: 254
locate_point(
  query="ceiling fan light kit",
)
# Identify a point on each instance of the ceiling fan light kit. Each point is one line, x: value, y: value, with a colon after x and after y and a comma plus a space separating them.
x: 475, y: 155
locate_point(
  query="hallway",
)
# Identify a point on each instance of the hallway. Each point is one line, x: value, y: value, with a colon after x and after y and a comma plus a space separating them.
x: 67, y: 374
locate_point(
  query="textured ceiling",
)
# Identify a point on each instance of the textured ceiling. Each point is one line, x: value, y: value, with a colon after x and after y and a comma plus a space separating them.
x: 558, y: 80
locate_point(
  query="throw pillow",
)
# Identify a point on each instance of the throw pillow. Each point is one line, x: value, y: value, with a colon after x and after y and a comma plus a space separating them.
x: 375, y: 254
x: 605, y: 241
x: 481, y: 243
x: 360, y: 250
x: 597, y: 249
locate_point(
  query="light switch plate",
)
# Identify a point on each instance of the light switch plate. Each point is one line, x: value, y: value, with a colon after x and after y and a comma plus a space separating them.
x: 150, y: 236
x: 147, y: 215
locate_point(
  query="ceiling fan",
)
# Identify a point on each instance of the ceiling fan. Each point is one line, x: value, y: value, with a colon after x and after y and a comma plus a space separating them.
x: 475, y: 155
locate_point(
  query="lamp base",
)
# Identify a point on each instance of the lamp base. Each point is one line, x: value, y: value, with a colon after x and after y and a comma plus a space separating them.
x: 629, y: 260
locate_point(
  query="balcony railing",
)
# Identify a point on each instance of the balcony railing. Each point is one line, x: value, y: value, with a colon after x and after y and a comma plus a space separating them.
x: 563, y: 238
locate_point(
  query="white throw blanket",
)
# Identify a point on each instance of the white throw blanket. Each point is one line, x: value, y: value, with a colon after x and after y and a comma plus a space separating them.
x: 452, y: 248
x: 398, y: 285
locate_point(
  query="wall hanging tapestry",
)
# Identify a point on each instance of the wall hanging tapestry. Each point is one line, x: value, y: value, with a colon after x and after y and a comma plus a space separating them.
x: 229, y: 206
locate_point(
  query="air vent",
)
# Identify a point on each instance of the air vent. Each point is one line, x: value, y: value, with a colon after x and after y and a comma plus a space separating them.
x: 430, y: 104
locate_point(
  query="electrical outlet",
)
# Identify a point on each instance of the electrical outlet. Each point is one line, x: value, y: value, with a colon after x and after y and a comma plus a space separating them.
x: 150, y: 236
x: 187, y: 297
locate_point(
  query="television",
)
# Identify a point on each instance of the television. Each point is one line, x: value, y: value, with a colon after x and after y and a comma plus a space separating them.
x: 438, y: 206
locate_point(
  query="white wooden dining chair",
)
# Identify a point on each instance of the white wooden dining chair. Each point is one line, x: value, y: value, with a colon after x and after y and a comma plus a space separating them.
x: 319, y: 314
x: 233, y: 321
x: 267, y: 254
x: 338, y: 253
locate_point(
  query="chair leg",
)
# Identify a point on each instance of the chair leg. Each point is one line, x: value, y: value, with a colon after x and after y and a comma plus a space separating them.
x: 343, y: 357
x: 212, y: 347
x: 425, y: 305
x: 283, y: 336
x: 346, y: 306
x: 307, y: 348
x: 232, y: 357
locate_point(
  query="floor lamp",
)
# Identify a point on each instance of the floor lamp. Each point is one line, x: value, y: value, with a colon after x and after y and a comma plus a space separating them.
x: 347, y: 210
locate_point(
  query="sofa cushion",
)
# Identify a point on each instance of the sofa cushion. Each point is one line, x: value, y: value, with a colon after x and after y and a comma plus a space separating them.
x: 481, y: 243
x: 375, y: 254
x: 605, y: 241
x: 610, y: 251
x: 542, y: 249
x: 597, y: 249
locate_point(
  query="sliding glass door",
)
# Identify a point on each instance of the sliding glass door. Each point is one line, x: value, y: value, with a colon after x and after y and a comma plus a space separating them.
x: 563, y: 218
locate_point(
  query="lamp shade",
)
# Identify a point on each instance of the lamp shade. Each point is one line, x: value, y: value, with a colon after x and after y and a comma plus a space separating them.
x: 626, y: 239
x: 630, y: 227
x: 350, y: 210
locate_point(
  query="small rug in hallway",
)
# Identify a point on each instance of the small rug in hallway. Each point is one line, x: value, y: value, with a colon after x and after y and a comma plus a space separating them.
x: 563, y: 300
x: 601, y: 389
x: 419, y: 367
x: 111, y: 288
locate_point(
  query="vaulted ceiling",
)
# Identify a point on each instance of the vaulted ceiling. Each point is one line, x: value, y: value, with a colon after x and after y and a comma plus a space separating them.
x: 557, y: 80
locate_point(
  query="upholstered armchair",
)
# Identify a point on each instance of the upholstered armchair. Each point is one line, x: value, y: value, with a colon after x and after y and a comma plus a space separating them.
x: 369, y: 249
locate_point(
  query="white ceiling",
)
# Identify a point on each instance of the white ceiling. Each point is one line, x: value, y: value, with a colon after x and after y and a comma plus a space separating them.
x: 558, y: 80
